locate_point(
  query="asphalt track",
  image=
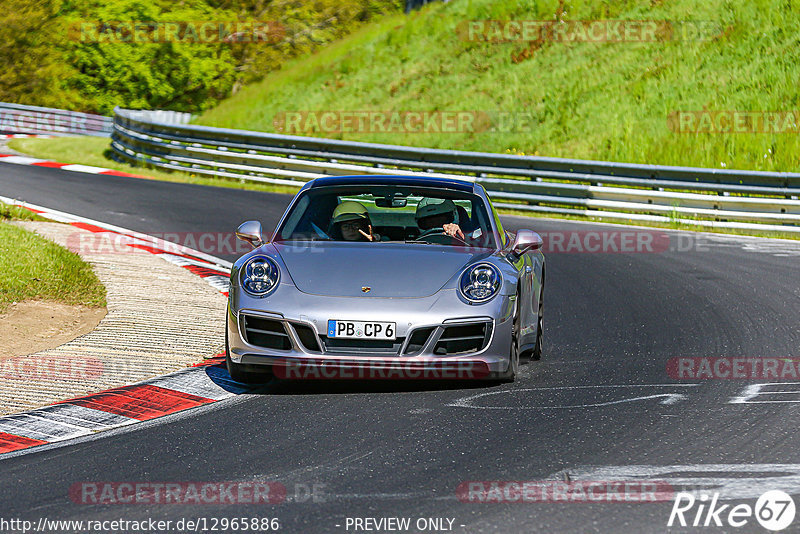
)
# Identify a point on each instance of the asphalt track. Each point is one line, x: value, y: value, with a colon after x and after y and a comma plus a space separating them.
x: 600, y: 397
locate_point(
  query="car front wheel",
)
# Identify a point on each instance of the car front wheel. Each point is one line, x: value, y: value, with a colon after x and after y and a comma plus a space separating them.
x: 536, y: 354
x: 513, y: 358
x: 238, y: 372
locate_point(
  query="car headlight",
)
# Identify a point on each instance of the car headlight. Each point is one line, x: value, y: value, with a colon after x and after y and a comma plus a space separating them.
x: 480, y: 282
x: 260, y: 275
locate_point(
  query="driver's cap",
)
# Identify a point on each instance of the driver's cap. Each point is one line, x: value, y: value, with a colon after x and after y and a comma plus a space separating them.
x: 434, y: 206
x: 349, y: 210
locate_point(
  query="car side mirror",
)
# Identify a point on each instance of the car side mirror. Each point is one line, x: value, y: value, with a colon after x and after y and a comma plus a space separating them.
x: 250, y: 231
x: 524, y: 241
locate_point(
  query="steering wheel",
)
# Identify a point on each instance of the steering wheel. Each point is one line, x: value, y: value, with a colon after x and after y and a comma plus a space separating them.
x: 439, y: 232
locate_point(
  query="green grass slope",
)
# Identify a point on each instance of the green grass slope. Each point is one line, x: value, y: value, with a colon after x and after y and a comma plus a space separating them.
x: 608, y: 100
x: 32, y: 267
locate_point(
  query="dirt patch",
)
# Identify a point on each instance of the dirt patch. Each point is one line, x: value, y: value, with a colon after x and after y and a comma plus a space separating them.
x: 33, y: 326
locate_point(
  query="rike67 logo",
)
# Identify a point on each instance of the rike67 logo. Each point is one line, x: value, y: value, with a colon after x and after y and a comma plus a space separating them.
x: 774, y: 510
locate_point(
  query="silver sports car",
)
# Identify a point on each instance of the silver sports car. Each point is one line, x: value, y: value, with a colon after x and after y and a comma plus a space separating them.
x: 385, y: 277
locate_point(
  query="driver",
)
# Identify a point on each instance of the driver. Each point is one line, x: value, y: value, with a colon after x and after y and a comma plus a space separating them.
x: 441, y: 213
x: 351, y: 221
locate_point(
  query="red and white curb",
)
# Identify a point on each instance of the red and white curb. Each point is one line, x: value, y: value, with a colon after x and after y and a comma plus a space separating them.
x: 25, y: 136
x: 75, y: 167
x: 185, y: 389
x: 189, y: 388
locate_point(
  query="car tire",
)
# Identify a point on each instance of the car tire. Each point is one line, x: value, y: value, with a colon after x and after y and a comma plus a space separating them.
x: 237, y: 371
x: 536, y: 353
x: 513, y: 360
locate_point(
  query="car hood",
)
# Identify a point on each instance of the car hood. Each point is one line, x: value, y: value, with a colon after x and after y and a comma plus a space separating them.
x: 387, y: 269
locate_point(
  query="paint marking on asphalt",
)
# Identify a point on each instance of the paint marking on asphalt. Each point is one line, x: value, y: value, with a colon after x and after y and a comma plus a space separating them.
x: 194, y: 383
x: 789, y: 392
x: 76, y: 167
x: 731, y: 481
x: 668, y: 398
x: 32, y: 426
x: 142, y: 402
x: 120, y: 173
x: 81, y: 416
x: 10, y: 442
x: 157, y: 397
x: 22, y: 160
x: 50, y: 164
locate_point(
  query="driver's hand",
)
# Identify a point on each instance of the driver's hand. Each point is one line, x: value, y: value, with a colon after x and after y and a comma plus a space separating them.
x: 369, y: 236
x: 453, y: 230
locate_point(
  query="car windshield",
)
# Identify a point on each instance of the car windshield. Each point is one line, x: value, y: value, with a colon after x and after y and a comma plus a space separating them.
x: 389, y: 213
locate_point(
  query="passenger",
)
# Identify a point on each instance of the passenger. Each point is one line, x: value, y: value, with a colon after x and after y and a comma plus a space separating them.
x: 433, y: 213
x: 351, y: 221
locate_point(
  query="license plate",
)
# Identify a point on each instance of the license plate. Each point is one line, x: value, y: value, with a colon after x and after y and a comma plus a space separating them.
x: 361, y: 330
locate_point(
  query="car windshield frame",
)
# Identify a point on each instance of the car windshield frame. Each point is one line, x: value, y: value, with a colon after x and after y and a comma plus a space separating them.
x: 478, y: 209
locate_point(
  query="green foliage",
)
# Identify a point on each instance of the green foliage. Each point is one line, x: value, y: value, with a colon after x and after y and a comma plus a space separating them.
x: 592, y: 100
x: 164, y: 75
x: 31, y: 53
x: 306, y: 25
x: 54, y: 55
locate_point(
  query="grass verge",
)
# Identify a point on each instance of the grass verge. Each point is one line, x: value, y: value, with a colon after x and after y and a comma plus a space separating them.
x: 34, y: 268
x: 611, y: 100
x: 17, y: 213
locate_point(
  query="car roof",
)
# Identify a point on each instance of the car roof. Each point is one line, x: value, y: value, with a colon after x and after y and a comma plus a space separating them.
x: 413, y: 181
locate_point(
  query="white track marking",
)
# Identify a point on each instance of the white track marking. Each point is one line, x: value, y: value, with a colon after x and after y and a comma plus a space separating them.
x: 21, y: 160
x: 83, y: 168
x: 732, y: 481
x: 669, y: 398
x: 28, y: 426
x: 192, y: 381
x: 759, y: 390
x: 82, y: 416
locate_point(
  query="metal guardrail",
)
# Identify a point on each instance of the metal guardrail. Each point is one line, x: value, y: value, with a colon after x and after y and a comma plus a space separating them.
x: 723, y: 198
x: 20, y: 119
x: 161, y: 116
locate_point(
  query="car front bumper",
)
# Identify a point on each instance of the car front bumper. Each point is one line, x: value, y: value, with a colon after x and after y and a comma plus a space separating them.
x: 299, y: 320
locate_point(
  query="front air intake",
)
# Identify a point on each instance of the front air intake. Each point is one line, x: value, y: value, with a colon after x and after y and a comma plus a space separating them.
x: 266, y: 333
x: 463, y: 339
